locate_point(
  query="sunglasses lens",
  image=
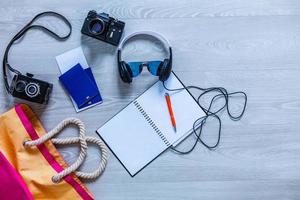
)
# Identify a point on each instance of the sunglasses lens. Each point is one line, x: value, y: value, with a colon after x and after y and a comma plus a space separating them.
x: 136, y: 68
x: 153, y: 67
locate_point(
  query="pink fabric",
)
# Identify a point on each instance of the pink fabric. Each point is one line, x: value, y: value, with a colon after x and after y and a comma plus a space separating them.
x: 43, y: 149
x: 12, y: 186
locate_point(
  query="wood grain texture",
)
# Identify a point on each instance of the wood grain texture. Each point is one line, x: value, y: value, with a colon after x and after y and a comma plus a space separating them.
x: 242, y: 45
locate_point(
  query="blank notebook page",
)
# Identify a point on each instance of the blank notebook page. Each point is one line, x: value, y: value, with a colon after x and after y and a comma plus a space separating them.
x: 131, y: 139
x: 185, y: 108
x: 143, y: 130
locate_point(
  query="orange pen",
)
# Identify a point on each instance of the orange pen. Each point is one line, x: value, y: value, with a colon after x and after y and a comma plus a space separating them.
x: 168, y: 100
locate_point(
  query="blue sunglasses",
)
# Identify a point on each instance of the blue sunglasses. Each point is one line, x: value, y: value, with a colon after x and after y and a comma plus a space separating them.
x: 152, y: 66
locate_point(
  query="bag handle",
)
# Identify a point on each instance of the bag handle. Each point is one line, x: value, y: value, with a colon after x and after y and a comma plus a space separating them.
x: 82, y: 140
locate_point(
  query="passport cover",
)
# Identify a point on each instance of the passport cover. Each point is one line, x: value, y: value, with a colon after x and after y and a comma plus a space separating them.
x: 98, y: 97
x: 68, y: 60
x: 79, y: 85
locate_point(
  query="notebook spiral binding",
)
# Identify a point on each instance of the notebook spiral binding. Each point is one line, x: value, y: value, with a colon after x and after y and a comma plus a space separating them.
x: 151, y: 122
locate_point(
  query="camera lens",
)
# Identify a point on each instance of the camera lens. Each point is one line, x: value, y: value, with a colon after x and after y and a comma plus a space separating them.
x: 32, y: 90
x: 96, y: 26
x: 20, y: 86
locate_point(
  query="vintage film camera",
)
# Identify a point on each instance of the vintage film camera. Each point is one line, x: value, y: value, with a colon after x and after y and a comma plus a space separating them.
x: 31, y: 89
x: 103, y: 27
x: 25, y: 86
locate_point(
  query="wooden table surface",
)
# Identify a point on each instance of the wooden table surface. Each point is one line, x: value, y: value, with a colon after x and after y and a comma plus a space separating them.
x: 252, y: 46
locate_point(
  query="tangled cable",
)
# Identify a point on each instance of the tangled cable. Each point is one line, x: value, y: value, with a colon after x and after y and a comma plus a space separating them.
x: 82, y: 140
x: 199, y: 123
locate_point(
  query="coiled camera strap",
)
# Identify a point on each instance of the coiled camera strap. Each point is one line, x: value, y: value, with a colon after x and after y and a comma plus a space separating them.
x: 26, y: 28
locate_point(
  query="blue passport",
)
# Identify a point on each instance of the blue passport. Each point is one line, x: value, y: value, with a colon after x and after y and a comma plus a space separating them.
x: 81, y: 86
x: 97, y: 98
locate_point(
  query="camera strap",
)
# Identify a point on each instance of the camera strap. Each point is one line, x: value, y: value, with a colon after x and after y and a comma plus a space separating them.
x: 26, y: 28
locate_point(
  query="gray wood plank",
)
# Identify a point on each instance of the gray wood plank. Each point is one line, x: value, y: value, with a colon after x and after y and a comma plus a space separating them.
x: 242, y: 45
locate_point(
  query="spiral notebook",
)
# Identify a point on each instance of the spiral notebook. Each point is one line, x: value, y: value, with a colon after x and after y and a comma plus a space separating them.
x: 143, y: 130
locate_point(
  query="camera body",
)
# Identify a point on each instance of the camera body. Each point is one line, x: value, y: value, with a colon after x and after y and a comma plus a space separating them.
x: 30, y: 89
x: 103, y: 27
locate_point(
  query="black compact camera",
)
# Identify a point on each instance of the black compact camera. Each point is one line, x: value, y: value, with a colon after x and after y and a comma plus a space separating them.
x: 30, y: 89
x: 103, y: 27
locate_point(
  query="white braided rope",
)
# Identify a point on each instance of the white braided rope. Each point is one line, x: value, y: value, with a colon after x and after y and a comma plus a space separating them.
x: 104, y: 155
x: 82, y: 140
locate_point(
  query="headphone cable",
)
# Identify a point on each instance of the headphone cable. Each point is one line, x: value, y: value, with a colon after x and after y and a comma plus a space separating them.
x: 200, y: 122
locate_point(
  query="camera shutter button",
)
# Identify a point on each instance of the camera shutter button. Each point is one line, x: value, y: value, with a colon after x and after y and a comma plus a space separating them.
x: 29, y: 75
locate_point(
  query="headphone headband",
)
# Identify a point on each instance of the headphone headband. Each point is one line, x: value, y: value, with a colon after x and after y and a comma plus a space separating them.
x: 163, y: 69
x: 156, y: 35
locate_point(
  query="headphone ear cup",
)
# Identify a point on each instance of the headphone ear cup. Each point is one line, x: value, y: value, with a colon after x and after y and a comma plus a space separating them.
x: 125, y: 72
x: 165, y: 70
